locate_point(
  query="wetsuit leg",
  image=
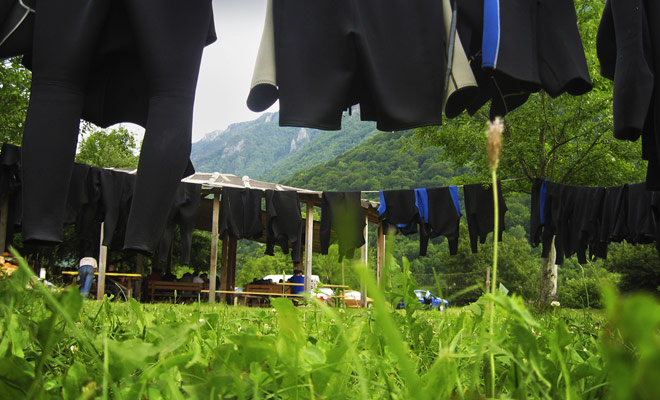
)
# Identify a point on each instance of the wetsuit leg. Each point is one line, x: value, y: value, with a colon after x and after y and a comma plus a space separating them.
x: 65, y: 34
x: 171, y: 35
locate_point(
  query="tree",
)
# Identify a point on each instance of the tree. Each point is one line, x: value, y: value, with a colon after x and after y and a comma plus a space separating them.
x: 566, y: 140
x: 116, y: 148
x: 14, y: 98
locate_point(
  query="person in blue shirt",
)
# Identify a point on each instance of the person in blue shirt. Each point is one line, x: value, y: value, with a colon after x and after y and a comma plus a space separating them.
x: 297, y: 278
x: 86, y: 275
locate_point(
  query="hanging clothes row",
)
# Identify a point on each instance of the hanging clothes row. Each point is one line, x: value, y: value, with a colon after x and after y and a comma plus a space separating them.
x: 405, y: 69
x: 584, y: 220
x: 97, y: 195
x: 436, y: 212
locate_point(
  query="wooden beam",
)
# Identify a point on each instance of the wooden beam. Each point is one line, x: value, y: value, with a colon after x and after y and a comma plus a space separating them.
x: 309, y: 245
x: 4, y: 219
x: 364, y: 257
x: 103, y: 254
x: 380, y: 253
x: 213, y: 268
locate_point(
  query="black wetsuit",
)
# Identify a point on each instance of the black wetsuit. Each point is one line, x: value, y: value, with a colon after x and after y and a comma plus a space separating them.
x: 183, y: 214
x: 240, y: 213
x: 386, y: 55
x: 284, y: 223
x: 341, y: 212
x: 83, y: 53
x: 444, y: 216
x: 399, y: 212
x: 116, y: 201
x: 628, y: 46
x: 10, y: 186
x: 480, y: 214
x: 512, y: 45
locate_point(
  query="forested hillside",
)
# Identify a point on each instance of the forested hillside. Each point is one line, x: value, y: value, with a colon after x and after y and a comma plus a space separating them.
x: 383, y: 162
x: 263, y: 150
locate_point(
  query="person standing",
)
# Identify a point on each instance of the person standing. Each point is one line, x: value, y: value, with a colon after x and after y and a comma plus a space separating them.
x: 86, y: 274
x: 297, y: 278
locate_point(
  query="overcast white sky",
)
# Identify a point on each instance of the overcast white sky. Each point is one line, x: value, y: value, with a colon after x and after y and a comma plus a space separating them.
x: 226, y: 71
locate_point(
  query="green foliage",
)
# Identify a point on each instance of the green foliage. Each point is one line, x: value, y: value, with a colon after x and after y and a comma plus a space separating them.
x: 381, y: 163
x: 14, y: 98
x: 638, y: 266
x: 55, y: 345
x: 116, y: 148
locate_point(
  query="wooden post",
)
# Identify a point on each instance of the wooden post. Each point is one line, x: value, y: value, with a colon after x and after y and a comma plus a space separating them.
x: 139, y: 268
x: 103, y: 254
x: 343, y: 282
x: 214, y: 246
x: 4, y: 219
x: 364, y: 256
x: 309, y: 246
x: 380, y: 253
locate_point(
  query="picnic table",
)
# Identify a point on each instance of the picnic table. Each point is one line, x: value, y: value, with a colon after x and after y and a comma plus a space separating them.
x: 168, y: 288
x: 131, y: 278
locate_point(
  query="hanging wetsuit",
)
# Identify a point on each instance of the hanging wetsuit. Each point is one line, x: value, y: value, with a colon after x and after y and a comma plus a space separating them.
x: 77, y: 195
x: 461, y: 85
x: 385, y: 55
x: 90, y: 215
x: 16, y: 25
x: 183, y: 213
x: 166, y: 37
x: 400, y: 211
x: 444, y: 216
x: 578, y: 219
x: 513, y: 51
x: 612, y: 213
x: 637, y: 224
x: 479, y: 212
x: 537, y: 211
x: 10, y: 186
x: 284, y: 223
x: 341, y: 212
x: 116, y: 201
x: 629, y: 54
x: 240, y: 213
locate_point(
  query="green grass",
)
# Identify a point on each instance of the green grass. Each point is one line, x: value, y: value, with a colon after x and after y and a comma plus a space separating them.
x: 55, y: 345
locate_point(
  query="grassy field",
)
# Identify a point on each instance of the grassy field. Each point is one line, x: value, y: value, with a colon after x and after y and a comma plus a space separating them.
x: 55, y: 345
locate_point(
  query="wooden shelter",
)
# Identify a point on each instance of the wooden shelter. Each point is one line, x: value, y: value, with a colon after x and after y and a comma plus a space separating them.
x: 209, y: 215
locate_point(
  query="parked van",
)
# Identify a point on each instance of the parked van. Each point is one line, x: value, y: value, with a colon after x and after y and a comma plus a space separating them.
x: 276, y: 278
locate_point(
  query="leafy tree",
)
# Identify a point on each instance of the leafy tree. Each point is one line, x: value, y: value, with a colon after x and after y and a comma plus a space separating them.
x: 638, y: 266
x: 116, y: 148
x: 567, y: 139
x: 14, y: 98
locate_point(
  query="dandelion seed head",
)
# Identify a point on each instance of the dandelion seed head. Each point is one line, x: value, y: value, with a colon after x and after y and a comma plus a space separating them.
x: 494, y: 135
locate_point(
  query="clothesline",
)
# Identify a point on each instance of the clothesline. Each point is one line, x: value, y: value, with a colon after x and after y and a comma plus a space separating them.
x: 502, y: 181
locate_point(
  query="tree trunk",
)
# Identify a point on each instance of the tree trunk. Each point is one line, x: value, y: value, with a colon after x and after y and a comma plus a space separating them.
x: 548, y: 283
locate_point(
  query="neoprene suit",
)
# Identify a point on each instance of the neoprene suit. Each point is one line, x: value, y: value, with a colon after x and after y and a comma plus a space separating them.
x: 170, y: 36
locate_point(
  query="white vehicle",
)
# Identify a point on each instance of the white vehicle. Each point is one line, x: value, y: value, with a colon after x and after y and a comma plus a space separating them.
x: 276, y: 278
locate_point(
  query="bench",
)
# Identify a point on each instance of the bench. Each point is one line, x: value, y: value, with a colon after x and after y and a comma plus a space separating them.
x: 167, y: 289
x: 266, y: 288
x: 250, y: 299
